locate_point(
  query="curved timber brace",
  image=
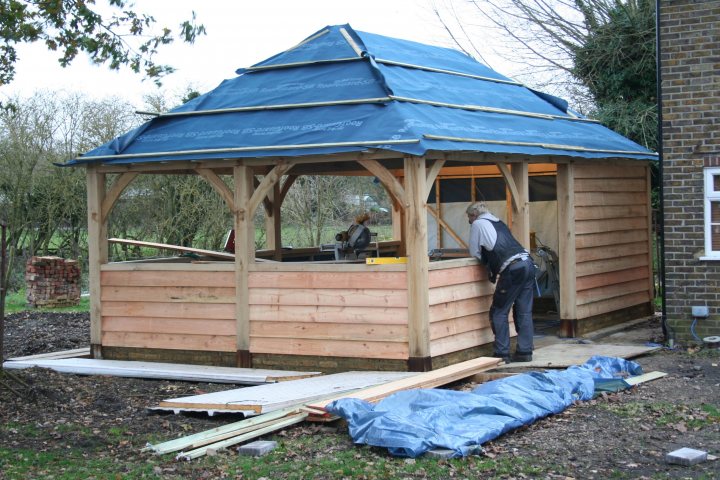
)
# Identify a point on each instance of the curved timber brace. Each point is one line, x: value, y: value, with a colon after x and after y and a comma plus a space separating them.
x: 516, y: 179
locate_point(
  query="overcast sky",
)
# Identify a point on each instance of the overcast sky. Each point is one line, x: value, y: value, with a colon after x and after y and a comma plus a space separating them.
x: 239, y: 34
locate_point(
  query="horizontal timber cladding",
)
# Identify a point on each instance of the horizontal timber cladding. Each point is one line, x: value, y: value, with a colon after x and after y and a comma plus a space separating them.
x: 165, y: 307
x: 351, y: 311
x: 460, y: 298
x: 612, y: 238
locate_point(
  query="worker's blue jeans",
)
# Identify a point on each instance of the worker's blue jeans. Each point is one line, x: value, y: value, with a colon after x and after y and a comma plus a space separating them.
x: 515, y: 287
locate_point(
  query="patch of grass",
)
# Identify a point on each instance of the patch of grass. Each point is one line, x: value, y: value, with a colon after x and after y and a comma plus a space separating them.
x: 12, y: 428
x: 68, y: 464
x: 15, y: 302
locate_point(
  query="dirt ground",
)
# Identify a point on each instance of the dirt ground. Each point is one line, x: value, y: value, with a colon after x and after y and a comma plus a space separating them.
x: 623, y: 435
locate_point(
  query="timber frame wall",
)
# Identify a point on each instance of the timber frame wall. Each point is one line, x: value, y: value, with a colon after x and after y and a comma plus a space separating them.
x: 415, y: 316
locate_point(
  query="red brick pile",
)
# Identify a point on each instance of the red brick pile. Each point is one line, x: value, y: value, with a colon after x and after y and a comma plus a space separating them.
x: 52, y: 282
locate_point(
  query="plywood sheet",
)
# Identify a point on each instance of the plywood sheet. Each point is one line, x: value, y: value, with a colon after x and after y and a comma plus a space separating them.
x: 267, y: 398
x: 165, y: 371
x: 563, y: 355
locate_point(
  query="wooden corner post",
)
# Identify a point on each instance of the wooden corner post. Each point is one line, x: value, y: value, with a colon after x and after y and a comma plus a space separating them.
x: 244, y: 256
x: 415, y: 220
x: 566, y: 247
x: 521, y: 216
x: 97, y: 253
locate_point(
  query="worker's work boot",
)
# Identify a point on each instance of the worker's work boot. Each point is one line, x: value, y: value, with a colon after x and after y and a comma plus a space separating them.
x: 505, y: 358
x: 522, y: 357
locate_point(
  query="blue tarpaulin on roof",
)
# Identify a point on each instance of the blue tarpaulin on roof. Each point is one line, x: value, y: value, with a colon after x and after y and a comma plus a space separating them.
x: 342, y: 90
x: 411, y: 422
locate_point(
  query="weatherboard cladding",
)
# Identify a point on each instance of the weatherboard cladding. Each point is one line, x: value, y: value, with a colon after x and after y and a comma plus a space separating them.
x: 342, y: 91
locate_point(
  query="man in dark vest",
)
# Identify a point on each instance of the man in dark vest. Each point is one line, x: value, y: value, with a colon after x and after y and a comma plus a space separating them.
x: 511, y: 266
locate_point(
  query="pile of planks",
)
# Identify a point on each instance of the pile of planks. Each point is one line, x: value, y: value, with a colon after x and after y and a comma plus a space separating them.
x: 199, y: 444
x: 52, y: 282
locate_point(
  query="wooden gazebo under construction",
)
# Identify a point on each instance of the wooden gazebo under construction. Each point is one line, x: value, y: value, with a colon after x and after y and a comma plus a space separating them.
x: 368, y: 105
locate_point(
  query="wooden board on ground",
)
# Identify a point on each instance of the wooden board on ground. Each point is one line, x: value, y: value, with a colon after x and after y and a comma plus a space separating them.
x: 177, y: 248
x: 563, y: 355
x: 267, y: 398
x: 75, y: 353
x: 164, y: 371
x: 646, y: 377
x: 435, y: 378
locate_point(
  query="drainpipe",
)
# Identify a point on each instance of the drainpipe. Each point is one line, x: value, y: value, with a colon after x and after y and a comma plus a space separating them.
x: 661, y: 212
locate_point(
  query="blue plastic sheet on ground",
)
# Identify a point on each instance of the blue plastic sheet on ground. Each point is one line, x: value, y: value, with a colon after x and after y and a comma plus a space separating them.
x: 411, y: 422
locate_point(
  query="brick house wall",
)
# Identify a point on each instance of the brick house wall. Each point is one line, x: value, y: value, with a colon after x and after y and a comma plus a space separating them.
x: 690, y: 80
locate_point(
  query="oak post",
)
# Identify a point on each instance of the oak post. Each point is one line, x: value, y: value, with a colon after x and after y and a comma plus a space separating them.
x: 418, y: 263
x: 521, y: 217
x: 566, y: 247
x: 97, y: 253
x: 244, y: 256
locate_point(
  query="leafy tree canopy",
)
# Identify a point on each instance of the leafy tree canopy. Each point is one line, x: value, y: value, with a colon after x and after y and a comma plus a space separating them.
x: 616, y: 63
x: 73, y: 26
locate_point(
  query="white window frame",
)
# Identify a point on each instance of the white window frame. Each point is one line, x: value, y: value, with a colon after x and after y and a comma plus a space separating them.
x: 710, y: 195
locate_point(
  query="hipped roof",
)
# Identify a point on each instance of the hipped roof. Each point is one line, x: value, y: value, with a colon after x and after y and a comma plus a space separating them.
x: 342, y: 90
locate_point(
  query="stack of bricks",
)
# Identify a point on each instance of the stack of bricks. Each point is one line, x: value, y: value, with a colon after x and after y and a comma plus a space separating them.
x: 52, y: 282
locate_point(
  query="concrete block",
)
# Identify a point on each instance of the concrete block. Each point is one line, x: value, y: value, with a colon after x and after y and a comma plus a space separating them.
x: 258, y: 448
x: 686, y: 456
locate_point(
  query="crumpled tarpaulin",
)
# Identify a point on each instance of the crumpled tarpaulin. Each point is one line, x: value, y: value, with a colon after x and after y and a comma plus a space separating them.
x: 411, y: 422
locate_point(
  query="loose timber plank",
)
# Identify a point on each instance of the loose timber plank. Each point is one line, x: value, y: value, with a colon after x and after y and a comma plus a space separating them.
x: 214, y: 343
x: 268, y: 398
x: 191, y: 326
x: 329, y: 313
x: 356, y: 297
x: 646, y: 377
x: 177, y: 248
x: 563, y: 355
x: 344, y: 280
x: 434, y: 378
x: 164, y: 371
x: 74, y: 353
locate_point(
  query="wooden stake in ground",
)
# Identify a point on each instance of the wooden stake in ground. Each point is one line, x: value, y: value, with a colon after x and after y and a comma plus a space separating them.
x: 3, y: 289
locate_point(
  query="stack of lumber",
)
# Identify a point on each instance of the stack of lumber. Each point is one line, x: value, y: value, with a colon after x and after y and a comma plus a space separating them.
x: 52, y: 282
x: 199, y: 444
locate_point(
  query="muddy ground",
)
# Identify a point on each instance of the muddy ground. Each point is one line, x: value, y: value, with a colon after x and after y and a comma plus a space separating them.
x: 623, y: 435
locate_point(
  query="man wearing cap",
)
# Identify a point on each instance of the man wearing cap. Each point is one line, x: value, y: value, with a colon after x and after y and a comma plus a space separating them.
x: 511, y: 266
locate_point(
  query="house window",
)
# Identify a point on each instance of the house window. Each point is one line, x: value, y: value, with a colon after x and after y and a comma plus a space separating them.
x: 712, y: 213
